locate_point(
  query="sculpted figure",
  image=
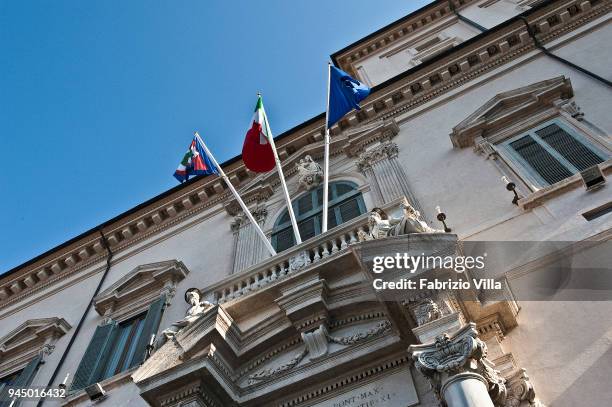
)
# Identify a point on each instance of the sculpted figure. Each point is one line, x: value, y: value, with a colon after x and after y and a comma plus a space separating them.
x: 382, y: 226
x: 197, y: 309
x: 309, y: 173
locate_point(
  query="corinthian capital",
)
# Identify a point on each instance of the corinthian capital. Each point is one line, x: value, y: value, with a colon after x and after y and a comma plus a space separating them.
x: 381, y: 152
x: 460, y: 353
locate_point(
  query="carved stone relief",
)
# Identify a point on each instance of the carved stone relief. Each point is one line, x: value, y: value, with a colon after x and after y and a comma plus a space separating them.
x: 316, y: 346
x: 309, y: 173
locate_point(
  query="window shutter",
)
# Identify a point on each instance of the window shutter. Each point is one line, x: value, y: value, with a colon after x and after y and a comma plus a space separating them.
x: 579, y: 155
x: 350, y: 210
x: 151, y: 323
x: 23, y: 380
x: 94, y: 356
x: 540, y: 160
x: 307, y: 228
x: 27, y: 374
x: 3, y: 394
x: 284, y: 239
x: 331, y: 218
x: 304, y: 204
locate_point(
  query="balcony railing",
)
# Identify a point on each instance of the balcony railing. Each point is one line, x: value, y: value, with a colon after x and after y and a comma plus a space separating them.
x: 290, y: 261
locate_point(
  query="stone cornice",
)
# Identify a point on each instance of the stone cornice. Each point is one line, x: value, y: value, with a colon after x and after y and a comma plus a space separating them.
x: 412, y: 24
x: 469, y: 61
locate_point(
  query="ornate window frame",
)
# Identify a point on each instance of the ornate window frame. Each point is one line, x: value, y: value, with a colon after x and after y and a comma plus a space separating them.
x: 33, y: 338
x: 512, y: 114
x: 133, y: 293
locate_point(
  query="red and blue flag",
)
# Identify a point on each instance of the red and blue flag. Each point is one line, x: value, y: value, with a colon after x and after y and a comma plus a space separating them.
x: 195, y: 162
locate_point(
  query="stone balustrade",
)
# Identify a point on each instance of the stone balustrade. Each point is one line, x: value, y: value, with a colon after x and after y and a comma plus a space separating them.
x: 314, y: 250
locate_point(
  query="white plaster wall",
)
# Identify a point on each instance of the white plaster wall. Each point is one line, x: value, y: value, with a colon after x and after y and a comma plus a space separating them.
x: 466, y: 185
x: 378, y: 68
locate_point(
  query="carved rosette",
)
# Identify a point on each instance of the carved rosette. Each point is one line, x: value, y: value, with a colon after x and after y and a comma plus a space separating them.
x: 449, y: 356
x: 384, y: 151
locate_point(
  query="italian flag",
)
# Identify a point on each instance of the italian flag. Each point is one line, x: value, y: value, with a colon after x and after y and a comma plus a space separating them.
x: 257, y: 152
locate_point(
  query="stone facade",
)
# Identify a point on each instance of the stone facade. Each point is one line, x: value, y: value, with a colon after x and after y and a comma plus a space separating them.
x: 306, y: 327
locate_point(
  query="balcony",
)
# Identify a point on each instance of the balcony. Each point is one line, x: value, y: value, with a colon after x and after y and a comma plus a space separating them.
x: 318, y: 249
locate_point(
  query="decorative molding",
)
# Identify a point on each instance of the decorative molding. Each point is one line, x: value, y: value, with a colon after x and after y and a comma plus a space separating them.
x: 426, y: 311
x: 520, y: 391
x: 309, y: 173
x: 450, y: 355
x: 138, y: 288
x: 346, y: 381
x: 384, y: 151
x: 379, y: 329
x: 271, y: 372
x: 454, y: 71
x: 508, y: 108
x: 33, y: 337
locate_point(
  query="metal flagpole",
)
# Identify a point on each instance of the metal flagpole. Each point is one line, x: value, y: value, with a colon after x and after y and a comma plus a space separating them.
x: 240, y: 201
x: 296, y: 231
x: 326, y: 158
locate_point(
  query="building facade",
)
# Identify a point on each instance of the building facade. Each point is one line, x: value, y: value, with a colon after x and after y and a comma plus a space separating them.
x: 143, y: 311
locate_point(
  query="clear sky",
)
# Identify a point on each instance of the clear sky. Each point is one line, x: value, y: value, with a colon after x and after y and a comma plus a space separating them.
x: 99, y: 99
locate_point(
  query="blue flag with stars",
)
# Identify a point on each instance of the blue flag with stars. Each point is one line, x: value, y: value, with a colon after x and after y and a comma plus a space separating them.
x: 345, y: 93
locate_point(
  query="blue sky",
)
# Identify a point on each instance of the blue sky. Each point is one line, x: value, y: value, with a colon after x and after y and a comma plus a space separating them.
x: 99, y: 99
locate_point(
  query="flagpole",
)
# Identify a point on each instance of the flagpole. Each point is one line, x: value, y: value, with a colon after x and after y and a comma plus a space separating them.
x: 326, y: 158
x: 245, y: 209
x: 296, y: 231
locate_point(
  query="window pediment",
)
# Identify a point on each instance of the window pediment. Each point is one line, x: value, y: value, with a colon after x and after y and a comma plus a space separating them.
x: 28, y: 339
x: 507, y: 108
x: 140, y: 287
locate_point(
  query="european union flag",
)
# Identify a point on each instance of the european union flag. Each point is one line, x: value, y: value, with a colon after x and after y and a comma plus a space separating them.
x: 345, y: 93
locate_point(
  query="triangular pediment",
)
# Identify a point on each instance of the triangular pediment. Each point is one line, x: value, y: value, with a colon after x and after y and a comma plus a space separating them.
x: 143, y: 281
x: 30, y: 336
x: 506, y: 108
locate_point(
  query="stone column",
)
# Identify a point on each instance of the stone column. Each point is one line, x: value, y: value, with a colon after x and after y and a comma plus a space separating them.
x: 385, y: 174
x: 248, y: 247
x: 459, y: 371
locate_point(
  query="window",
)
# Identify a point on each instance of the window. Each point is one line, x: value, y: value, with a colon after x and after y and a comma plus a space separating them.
x: 118, y: 346
x: 20, y: 379
x: 123, y: 350
x: 345, y: 203
x: 552, y: 152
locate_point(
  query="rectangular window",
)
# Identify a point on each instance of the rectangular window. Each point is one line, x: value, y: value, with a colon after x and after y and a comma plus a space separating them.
x: 124, y: 347
x: 118, y: 346
x: 552, y: 152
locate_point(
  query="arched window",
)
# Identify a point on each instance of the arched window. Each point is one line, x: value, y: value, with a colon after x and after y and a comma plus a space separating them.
x: 345, y: 203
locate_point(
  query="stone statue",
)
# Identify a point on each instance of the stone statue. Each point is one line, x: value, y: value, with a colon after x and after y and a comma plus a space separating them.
x: 382, y: 226
x: 309, y: 173
x: 197, y: 309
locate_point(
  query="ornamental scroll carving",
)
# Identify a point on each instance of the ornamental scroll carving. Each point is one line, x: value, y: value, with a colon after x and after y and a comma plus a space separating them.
x: 316, y: 347
x: 463, y: 352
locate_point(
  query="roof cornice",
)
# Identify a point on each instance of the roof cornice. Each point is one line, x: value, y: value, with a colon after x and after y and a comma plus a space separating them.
x: 402, y: 93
